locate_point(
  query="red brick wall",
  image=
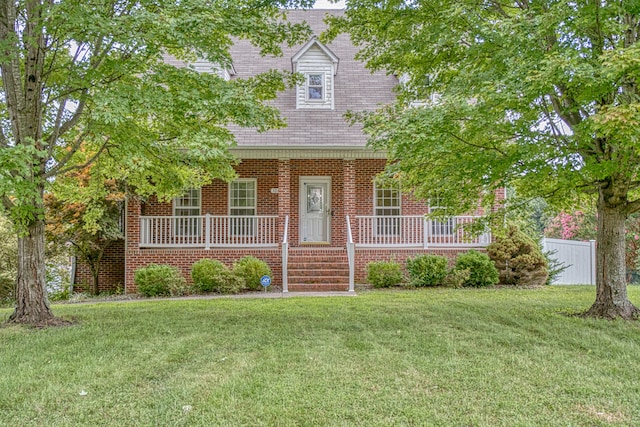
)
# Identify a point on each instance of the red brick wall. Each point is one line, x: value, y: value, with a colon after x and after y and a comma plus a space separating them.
x: 215, y: 196
x: 111, y: 275
x: 185, y: 258
x: 365, y: 256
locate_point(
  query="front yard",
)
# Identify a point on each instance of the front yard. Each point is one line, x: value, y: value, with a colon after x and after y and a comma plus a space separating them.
x: 485, y: 357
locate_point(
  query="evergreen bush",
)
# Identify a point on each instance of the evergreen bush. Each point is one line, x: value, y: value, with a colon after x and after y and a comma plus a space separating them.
x: 158, y: 280
x: 482, y: 272
x: 427, y: 270
x: 456, y: 278
x: 518, y: 258
x: 209, y: 275
x: 251, y: 269
x: 384, y: 274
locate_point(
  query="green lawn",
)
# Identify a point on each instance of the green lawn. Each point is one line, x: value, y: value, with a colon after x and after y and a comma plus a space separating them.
x: 427, y: 357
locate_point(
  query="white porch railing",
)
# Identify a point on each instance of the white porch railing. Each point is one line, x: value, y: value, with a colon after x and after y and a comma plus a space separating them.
x: 418, y: 232
x: 285, y: 256
x: 351, y: 256
x: 207, y: 231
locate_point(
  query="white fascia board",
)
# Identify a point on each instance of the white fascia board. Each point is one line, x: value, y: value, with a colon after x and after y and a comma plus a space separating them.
x: 306, y: 152
x: 314, y: 41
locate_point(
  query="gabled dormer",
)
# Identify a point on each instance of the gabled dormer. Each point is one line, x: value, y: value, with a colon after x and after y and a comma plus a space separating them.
x: 319, y: 66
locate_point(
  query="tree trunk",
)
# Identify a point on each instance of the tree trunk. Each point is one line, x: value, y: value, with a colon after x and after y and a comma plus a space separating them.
x: 611, y: 285
x: 32, y: 304
x: 95, y: 273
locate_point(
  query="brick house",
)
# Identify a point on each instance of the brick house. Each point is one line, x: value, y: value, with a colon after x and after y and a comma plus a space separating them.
x: 305, y: 200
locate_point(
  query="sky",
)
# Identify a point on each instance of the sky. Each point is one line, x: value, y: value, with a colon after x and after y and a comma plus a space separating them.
x: 324, y: 4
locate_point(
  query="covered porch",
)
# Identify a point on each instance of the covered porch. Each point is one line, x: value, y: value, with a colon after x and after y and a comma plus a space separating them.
x: 301, y: 206
x: 368, y: 238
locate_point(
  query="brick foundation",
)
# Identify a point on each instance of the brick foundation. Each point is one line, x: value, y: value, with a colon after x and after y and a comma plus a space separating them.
x: 185, y: 258
x: 365, y: 256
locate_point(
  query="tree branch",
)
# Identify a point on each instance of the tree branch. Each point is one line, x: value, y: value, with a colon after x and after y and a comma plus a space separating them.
x: 7, y: 203
x: 482, y: 147
x: 82, y: 166
x: 73, y: 150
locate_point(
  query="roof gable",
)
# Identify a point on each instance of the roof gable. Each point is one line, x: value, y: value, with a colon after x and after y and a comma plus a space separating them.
x: 310, y: 44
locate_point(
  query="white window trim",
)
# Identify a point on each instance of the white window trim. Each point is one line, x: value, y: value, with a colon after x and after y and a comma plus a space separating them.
x: 174, y: 207
x: 376, y: 207
x: 375, y: 198
x: 255, y: 196
x: 196, y: 230
x: 324, y: 87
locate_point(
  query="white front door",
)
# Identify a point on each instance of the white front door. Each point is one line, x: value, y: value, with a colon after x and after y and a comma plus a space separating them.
x: 315, y: 209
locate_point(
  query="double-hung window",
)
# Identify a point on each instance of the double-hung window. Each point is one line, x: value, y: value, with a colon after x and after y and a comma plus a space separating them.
x: 386, y: 211
x: 315, y: 87
x: 242, y: 204
x: 186, y: 209
x: 444, y: 227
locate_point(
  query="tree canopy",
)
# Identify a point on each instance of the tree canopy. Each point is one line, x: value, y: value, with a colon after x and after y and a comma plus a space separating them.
x: 541, y: 96
x: 87, y: 82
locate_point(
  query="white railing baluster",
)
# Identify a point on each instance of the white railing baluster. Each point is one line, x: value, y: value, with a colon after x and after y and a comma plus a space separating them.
x: 418, y: 231
x: 209, y: 231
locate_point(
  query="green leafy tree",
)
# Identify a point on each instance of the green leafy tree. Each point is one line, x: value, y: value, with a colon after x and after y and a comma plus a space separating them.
x: 93, y: 75
x: 85, y: 215
x: 540, y: 96
x: 8, y: 260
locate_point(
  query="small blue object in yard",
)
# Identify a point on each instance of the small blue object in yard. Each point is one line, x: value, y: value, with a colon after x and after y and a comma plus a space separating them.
x: 265, y: 281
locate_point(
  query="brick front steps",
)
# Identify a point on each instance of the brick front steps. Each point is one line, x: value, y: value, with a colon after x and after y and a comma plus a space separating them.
x: 318, y: 270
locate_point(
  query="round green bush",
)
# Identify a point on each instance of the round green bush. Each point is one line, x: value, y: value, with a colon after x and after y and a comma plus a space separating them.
x: 158, y: 280
x: 251, y: 269
x: 209, y: 275
x: 383, y: 274
x: 518, y: 258
x: 230, y: 283
x: 427, y: 270
x: 482, y: 272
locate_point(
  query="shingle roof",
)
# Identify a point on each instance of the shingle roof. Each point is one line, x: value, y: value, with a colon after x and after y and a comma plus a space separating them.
x: 356, y: 89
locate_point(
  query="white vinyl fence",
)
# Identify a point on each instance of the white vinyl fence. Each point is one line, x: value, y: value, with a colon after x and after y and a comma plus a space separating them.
x: 579, y: 257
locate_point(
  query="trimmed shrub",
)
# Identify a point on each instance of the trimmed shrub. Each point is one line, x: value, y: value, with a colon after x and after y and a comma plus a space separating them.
x: 456, y: 278
x: 518, y: 258
x: 427, y: 270
x: 251, y: 269
x: 383, y: 274
x: 209, y: 275
x: 230, y: 283
x: 482, y: 272
x: 158, y: 280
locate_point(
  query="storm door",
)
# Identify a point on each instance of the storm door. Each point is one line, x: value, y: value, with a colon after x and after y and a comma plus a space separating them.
x: 315, y: 209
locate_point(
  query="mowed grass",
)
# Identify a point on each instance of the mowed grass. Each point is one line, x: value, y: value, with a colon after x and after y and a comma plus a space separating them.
x: 497, y: 357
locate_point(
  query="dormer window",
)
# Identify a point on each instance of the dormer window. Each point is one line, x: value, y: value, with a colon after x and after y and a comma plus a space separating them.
x: 315, y: 87
x: 319, y: 66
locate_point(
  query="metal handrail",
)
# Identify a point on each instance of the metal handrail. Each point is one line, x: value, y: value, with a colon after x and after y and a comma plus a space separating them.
x: 351, y: 255
x: 285, y: 255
